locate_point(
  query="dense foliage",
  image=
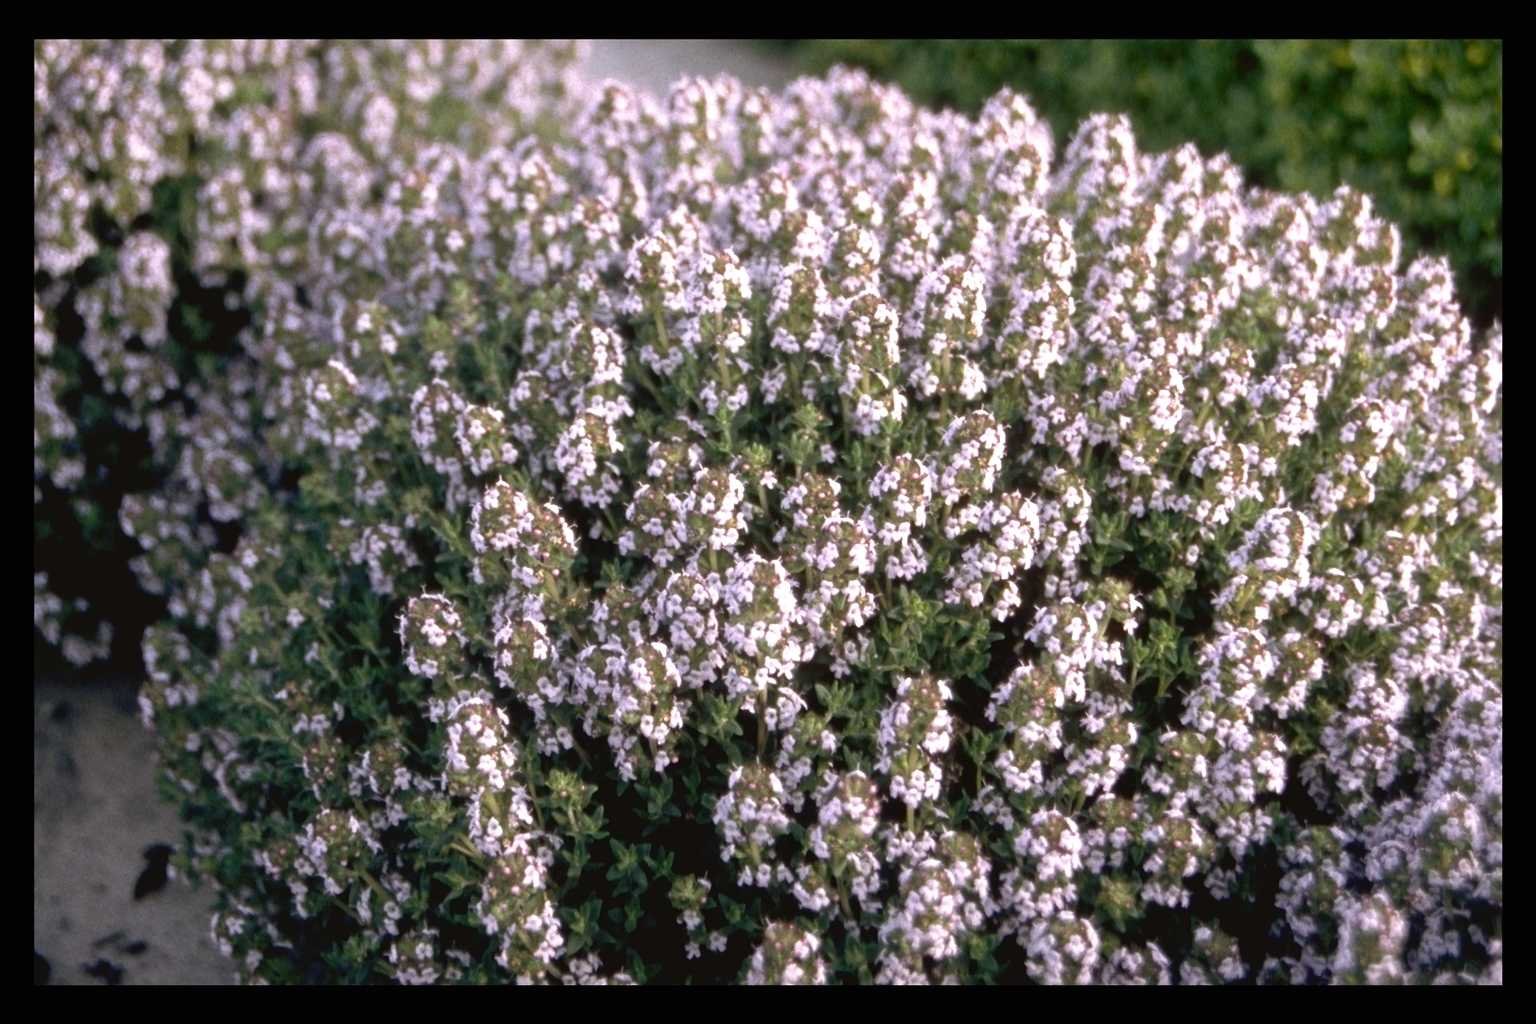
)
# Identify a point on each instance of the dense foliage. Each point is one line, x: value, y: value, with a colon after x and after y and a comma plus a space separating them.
x: 1418, y: 124
x: 805, y: 537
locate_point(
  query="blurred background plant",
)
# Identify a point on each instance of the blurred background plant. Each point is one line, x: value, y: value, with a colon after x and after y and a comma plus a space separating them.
x: 1418, y: 124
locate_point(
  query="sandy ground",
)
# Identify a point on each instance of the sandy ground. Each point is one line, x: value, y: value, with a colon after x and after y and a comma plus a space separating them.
x: 95, y: 808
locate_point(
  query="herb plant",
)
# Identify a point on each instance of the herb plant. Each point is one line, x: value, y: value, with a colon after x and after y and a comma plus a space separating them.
x: 806, y: 537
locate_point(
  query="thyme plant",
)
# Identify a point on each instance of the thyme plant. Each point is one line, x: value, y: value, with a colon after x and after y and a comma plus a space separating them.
x: 805, y: 537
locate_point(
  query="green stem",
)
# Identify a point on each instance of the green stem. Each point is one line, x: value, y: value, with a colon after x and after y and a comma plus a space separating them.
x: 645, y: 382
x: 393, y: 378
x: 469, y: 851
x: 661, y: 330
x: 373, y: 883
x: 613, y: 527
x: 533, y: 791
x: 842, y: 897
x: 722, y: 367
x: 762, y: 725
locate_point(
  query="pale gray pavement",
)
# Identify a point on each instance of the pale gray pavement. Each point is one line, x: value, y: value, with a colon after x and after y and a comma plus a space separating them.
x: 653, y: 64
x: 95, y: 808
x: 94, y: 812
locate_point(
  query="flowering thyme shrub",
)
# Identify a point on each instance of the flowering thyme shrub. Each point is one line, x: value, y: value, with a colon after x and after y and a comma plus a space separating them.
x: 808, y: 538
x: 1418, y: 123
x: 174, y: 185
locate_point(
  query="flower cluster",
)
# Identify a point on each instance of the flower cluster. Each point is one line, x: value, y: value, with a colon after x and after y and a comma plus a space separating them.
x: 787, y: 957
